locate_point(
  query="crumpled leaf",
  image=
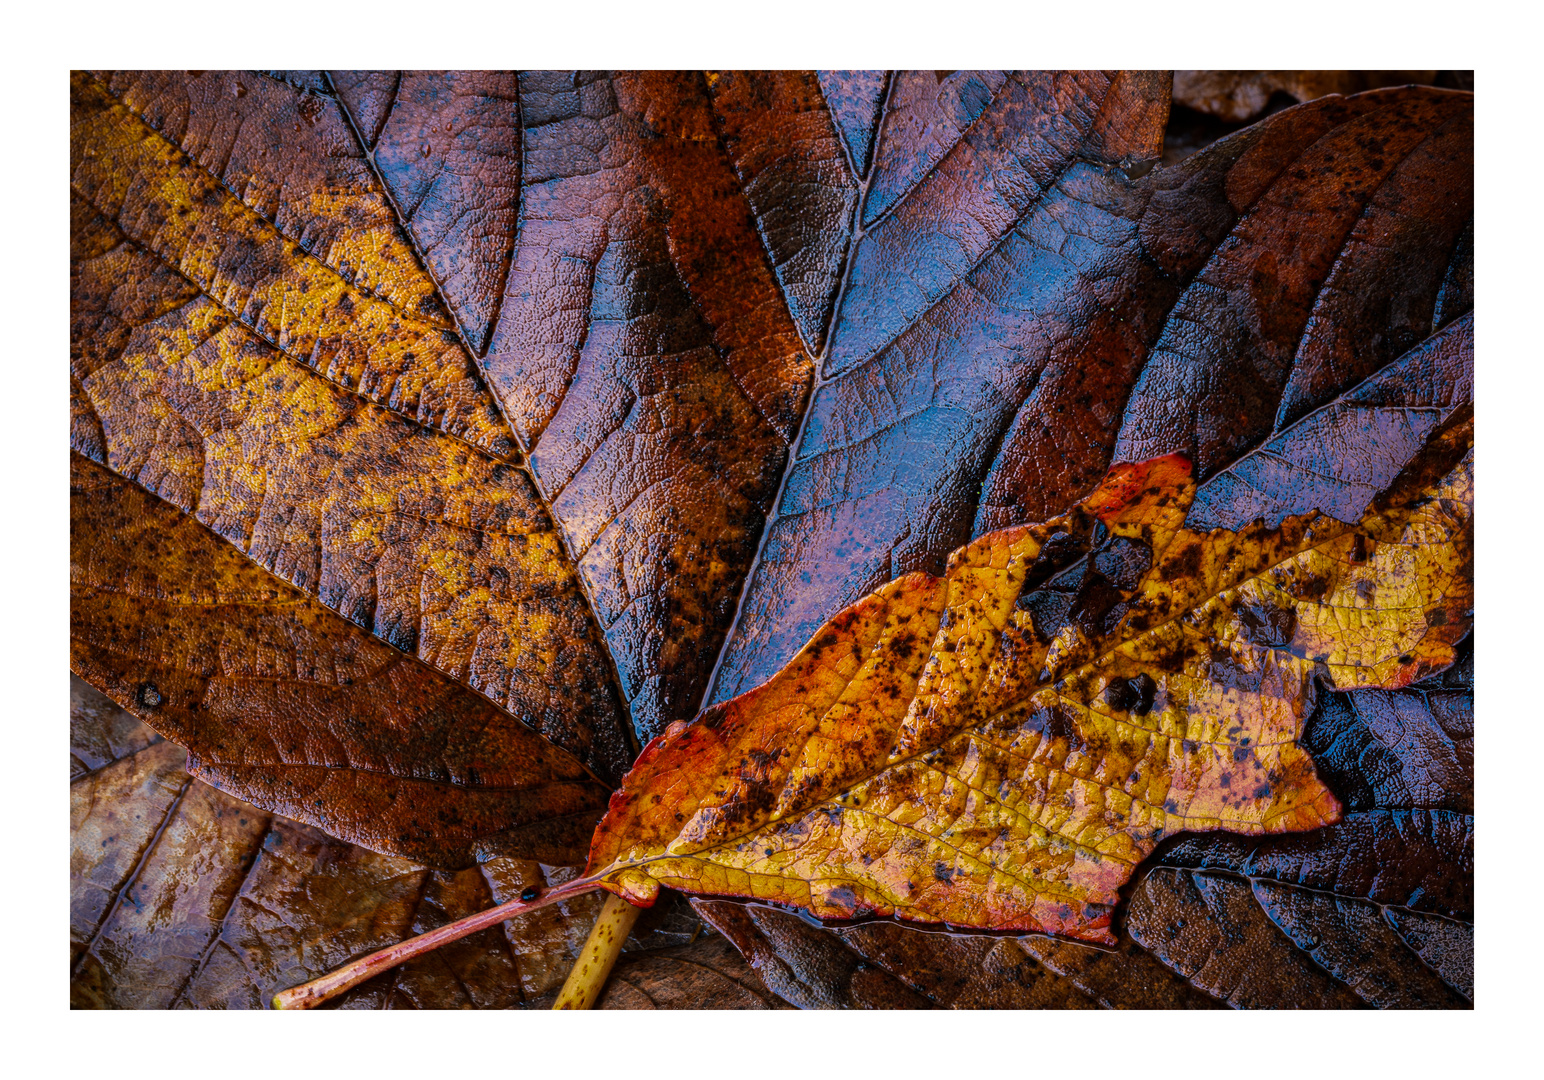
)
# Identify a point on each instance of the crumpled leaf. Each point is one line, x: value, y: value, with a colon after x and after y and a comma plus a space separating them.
x: 974, y: 752
x: 184, y: 897
x: 285, y: 704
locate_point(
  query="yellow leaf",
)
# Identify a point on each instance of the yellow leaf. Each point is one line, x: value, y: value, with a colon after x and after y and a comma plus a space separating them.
x: 1000, y: 747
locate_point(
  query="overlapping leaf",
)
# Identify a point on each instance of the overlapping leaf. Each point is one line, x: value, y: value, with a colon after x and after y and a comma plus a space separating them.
x: 1379, y: 906
x: 184, y: 897
x: 1000, y: 344
x: 1411, y: 870
x: 305, y: 303
x: 981, y: 751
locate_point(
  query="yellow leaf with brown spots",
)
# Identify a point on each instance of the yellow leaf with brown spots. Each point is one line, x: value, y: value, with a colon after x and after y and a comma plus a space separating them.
x: 1000, y: 747
x: 166, y: 215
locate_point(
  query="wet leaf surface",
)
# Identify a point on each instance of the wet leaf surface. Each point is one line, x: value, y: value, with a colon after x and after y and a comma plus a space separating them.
x: 356, y: 738
x: 954, y: 751
x: 991, y: 360
x: 551, y: 395
x: 884, y: 965
x: 184, y: 897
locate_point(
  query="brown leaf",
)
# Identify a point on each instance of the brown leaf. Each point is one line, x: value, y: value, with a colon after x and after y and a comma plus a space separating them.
x: 1210, y: 929
x: 1243, y: 95
x: 980, y: 380
x: 1421, y: 859
x: 1226, y: 933
x: 286, y: 705
x: 183, y: 897
x: 883, y: 965
x: 415, y: 536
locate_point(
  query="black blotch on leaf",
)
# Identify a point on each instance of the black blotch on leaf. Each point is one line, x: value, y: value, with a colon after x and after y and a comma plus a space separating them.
x: 1266, y: 625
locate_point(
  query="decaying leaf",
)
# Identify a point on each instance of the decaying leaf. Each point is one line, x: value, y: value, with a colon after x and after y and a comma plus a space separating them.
x: 184, y: 897
x: 1242, y: 95
x: 1381, y: 903
x: 466, y: 398
x: 986, y: 751
x: 360, y: 740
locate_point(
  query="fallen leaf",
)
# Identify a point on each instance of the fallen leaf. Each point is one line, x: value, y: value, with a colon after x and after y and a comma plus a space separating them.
x: 999, y: 345
x: 184, y: 897
x: 884, y: 965
x: 1243, y: 95
x: 1337, y: 458
x: 705, y: 974
x: 242, y: 413
x: 969, y: 751
x: 1235, y: 938
x: 356, y: 738
x: 1213, y: 932
x: 1382, y: 901
x: 505, y: 370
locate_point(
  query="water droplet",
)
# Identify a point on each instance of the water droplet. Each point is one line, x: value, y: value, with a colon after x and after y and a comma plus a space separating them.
x: 240, y: 90
x: 424, y: 149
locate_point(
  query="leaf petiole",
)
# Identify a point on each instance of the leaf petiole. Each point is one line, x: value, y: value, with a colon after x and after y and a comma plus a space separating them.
x: 310, y: 995
x: 601, y: 949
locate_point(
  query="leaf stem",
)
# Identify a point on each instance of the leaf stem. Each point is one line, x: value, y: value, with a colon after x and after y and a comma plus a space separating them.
x: 310, y: 995
x: 599, y: 956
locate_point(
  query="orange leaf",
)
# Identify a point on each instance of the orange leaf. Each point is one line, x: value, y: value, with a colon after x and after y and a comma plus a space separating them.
x: 999, y: 748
